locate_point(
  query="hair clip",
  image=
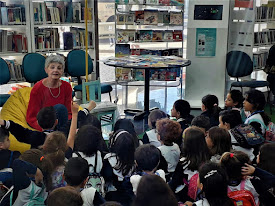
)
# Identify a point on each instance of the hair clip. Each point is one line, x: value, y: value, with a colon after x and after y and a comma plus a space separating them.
x: 215, y: 104
x: 231, y: 155
x: 41, y: 158
x: 210, y: 173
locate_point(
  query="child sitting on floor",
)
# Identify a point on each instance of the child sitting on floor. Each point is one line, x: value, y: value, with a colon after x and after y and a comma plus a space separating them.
x: 168, y: 131
x: 32, y: 178
x: 76, y: 174
x: 65, y: 196
x: 87, y: 146
x: 7, y: 157
x: 233, y: 163
x: 151, y: 135
x: 147, y: 159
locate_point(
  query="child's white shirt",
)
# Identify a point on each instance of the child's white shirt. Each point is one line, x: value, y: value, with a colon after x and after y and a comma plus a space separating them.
x: 203, y: 202
x: 171, y: 155
x: 113, y: 160
x: 88, y: 196
x: 247, y: 151
x: 23, y: 197
x: 249, y: 187
x: 135, y: 179
x: 91, y: 161
x: 153, y: 137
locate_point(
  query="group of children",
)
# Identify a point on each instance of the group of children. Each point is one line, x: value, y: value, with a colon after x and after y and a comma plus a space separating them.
x: 186, y: 161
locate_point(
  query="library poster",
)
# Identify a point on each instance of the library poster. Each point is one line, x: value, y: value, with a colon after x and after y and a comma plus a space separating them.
x: 206, y: 42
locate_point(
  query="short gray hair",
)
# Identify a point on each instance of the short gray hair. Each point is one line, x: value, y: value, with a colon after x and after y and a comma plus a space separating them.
x: 55, y: 59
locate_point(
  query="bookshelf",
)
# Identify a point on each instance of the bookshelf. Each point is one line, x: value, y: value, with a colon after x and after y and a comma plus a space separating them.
x: 252, y: 30
x: 45, y: 27
x: 148, y: 27
x: 14, y: 28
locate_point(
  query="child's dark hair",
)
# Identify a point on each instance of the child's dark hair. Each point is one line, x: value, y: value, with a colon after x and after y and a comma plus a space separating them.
x: 183, y: 107
x: 156, y: 115
x: 221, y: 140
x: 202, y: 122
x: 232, y: 117
x: 122, y: 144
x: 233, y: 163
x: 127, y: 125
x: 168, y: 130
x: 147, y: 157
x: 195, y: 149
x: 211, y: 103
x: 214, y: 180
x: 88, y: 140
x: 3, y: 134
x: 46, y: 117
x: 35, y: 157
x: 267, y: 156
x: 237, y: 96
x: 257, y: 99
x: 89, y: 120
x: 76, y: 171
x: 55, y: 147
x: 153, y: 190
x: 65, y: 196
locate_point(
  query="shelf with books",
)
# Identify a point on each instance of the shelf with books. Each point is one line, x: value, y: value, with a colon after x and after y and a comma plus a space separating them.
x: 14, y: 28
x: 58, y: 26
x: 151, y: 2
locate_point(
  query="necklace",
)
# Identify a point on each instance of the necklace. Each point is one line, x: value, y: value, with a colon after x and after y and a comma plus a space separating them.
x: 57, y: 94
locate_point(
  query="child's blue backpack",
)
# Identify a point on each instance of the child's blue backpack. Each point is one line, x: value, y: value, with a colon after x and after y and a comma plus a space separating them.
x: 247, y: 136
x: 6, y: 173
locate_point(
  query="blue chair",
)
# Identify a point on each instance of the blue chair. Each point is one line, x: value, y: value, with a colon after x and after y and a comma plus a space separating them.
x: 34, y: 67
x: 75, y: 66
x: 239, y: 64
x: 4, y: 79
x: 105, y: 111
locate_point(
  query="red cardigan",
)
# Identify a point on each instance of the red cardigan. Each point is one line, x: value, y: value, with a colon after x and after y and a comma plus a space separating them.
x: 41, y: 97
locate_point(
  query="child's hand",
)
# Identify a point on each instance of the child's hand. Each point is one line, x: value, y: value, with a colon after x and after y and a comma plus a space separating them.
x: 2, y: 122
x: 38, y: 176
x: 91, y: 105
x: 75, y: 108
x: 248, y: 169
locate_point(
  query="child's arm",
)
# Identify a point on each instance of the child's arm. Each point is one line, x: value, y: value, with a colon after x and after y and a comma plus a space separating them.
x: 34, y: 138
x: 21, y: 174
x: 72, y: 133
x: 266, y: 177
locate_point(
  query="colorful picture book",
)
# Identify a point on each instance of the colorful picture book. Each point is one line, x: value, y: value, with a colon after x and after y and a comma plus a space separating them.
x: 168, y: 36
x: 177, y: 35
x: 157, y: 36
x: 123, y: 74
x: 150, y: 17
x: 139, y: 17
x: 176, y: 18
x: 122, y: 50
x: 145, y: 35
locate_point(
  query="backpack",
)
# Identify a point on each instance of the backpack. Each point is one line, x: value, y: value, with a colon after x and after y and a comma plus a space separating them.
x: 95, y: 180
x: 6, y: 173
x: 269, y: 131
x: 247, y: 136
x: 242, y: 197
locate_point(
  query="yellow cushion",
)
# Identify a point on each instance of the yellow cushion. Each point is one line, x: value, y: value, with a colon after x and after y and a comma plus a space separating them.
x: 15, y: 109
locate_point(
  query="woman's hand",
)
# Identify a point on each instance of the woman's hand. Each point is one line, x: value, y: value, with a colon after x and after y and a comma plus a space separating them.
x: 248, y: 169
x: 188, y: 203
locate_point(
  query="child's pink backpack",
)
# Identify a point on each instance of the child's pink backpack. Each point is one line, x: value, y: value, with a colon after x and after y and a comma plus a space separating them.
x: 242, y: 197
x: 192, y: 186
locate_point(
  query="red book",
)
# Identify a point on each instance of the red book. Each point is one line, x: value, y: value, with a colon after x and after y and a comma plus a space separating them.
x: 18, y: 43
x: 177, y: 35
x: 164, y: 2
x: 244, y: 3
